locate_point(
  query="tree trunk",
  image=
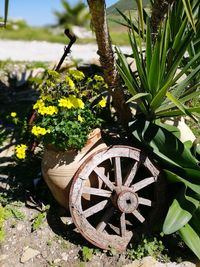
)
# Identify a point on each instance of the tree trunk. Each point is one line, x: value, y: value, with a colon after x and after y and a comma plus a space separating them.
x: 107, y: 59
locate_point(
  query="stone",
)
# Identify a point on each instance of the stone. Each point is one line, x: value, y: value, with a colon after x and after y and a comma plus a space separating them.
x: 148, y: 261
x: 28, y: 253
x: 186, y: 264
x: 135, y: 263
x: 65, y: 256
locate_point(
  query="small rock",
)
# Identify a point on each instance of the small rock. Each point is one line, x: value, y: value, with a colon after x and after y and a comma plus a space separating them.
x: 135, y: 263
x: 3, y: 257
x: 148, y: 261
x: 65, y: 256
x: 19, y: 227
x: 57, y: 261
x: 186, y: 264
x: 28, y: 254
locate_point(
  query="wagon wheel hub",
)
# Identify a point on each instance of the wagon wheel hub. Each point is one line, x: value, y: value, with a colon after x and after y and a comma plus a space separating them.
x: 127, y: 201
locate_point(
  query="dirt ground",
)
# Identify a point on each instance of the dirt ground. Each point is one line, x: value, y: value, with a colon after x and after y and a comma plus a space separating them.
x: 35, y: 238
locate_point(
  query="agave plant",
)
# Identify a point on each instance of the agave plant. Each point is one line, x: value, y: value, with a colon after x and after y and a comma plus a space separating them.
x: 161, y: 85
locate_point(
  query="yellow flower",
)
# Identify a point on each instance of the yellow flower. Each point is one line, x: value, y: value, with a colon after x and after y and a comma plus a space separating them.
x: 37, y: 130
x: 50, y: 110
x: 77, y: 75
x: 20, y: 151
x: 65, y: 103
x: 39, y: 103
x: 76, y: 102
x: 102, y: 102
x: 98, y: 78
x: 13, y: 114
x: 70, y: 82
x: 80, y: 118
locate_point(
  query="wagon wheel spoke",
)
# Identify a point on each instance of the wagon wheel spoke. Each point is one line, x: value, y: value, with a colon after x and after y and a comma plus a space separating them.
x: 104, y: 178
x: 138, y: 216
x: 96, y: 208
x: 131, y: 174
x: 96, y: 191
x: 145, y: 201
x: 123, y: 224
x: 105, y: 219
x: 145, y: 182
x: 118, y: 171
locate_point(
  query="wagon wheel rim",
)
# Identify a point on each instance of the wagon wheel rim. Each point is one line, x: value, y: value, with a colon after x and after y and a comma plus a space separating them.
x: 118, y: 196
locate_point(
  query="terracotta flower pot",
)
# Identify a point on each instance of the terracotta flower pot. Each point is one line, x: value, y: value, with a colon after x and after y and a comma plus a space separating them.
x: 59, y: 167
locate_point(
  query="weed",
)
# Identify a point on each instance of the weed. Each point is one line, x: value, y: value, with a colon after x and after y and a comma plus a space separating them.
x: 86, y: 253
x: 2, y: 218
x: 112, y: 251
x: 148, y: 247
x: 12, y: 212
x: 39, y: 219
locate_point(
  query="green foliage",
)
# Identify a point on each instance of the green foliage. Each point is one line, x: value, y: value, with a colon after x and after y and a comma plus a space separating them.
x: 2, y: 219
x: 12, y: 212
x: 181, y: 167
x: 8, y: 212
x: 86, y: 253
x: 166, y: 78
x: 68, y: 109
x: 73, y: 15
x: 148, y: 247
x: 154, y: 85
x: 39, y: 219
x: 112, y: 251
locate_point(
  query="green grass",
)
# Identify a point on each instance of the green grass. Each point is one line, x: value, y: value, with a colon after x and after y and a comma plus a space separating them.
x: 30, y: 34
x: 118, y: 35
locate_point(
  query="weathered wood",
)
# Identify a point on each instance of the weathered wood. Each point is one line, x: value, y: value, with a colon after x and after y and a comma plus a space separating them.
x: 147, y: 181
x: 131, y: 174
x: 145, y: 201
x: 127, y: 201
x: 105, y: 219
x: 96, y: 208
x: 123, y: 198
x: 96, y: 191
x: 104, y: 179
x: 138, y: 216
x: 118, y: 171
x: 123, y: 224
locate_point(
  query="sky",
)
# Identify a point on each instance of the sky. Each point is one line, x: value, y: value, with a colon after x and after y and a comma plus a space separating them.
x: 37, y: 12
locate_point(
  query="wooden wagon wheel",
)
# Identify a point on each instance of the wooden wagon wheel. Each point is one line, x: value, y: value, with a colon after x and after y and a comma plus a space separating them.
x: 115, y: 192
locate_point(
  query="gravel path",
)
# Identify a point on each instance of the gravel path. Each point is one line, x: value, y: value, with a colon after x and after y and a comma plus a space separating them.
x: 44, y: 51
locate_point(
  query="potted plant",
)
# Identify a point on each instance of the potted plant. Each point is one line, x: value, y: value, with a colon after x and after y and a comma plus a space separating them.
x: 66, y: 124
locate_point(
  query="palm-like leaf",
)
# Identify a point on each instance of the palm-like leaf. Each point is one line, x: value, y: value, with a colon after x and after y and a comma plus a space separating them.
x: 157, y: 68
x: 72, y: 15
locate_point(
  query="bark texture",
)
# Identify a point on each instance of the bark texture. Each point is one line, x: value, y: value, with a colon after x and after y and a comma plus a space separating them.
x: 159, y: 10
x: 107, y: 59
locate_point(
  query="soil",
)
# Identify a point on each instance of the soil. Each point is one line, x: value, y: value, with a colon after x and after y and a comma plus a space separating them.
x: 40, y: 233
